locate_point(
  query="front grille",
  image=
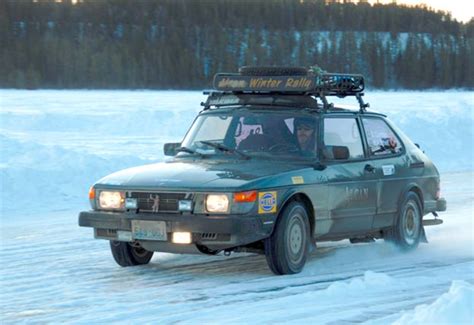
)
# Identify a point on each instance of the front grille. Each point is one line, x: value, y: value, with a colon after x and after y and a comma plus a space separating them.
x: 208, y: 236
x: 153, y: 202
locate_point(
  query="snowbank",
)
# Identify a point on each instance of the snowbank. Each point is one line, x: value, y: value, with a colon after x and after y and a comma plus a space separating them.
x: 55, y: 144
x: 36, y: 177
x: 454, y: 307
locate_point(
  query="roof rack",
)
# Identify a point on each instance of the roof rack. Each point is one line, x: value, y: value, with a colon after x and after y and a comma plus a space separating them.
x: 218, y: 98
x: 318, y: 85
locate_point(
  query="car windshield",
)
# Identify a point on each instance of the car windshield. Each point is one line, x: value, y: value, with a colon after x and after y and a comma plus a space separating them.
x: 248, y: 133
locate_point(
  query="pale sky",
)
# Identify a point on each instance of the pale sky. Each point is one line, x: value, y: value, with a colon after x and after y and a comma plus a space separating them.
x: 462, y: 10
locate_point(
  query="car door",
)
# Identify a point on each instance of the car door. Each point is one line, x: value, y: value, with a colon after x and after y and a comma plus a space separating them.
x: 390, y: 166
x: 352, y: 187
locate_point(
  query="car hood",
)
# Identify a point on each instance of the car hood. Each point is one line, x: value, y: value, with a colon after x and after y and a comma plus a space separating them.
x: 205, y: 175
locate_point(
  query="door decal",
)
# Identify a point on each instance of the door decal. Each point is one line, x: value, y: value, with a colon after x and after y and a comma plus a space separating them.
x: 388, y: 170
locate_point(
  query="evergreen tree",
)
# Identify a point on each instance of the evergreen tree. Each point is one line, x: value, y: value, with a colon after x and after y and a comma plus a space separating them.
x: 182, y: 43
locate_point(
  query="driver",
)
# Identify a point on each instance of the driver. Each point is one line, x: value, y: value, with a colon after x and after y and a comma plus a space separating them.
x: 305, y: 134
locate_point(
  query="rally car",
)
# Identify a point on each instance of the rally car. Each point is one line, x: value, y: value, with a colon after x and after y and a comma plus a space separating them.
x: 271, y: 166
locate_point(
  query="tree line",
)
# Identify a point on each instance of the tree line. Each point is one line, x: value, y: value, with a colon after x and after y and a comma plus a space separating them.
x: 183, y: 43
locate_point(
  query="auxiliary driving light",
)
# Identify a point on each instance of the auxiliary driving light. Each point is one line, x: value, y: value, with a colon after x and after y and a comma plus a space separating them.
x: 131, y: 203
x: 181, y: 238
x: 185, y: 205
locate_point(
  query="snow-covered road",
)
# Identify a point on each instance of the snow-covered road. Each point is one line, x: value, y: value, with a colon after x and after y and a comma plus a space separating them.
x: 53, y: 271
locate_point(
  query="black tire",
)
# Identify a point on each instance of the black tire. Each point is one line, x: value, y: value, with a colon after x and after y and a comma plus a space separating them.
x: 272, y: 71
x: 127, y: 255
x: 286, y: 249
x: 408, y: 230
x: 207, y: 251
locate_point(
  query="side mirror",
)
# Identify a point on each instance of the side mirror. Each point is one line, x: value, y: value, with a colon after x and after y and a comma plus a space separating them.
x: 170, y: 148
x: 336, y: 152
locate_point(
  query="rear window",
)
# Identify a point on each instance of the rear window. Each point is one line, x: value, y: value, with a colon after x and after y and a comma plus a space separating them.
x: 381, y: 139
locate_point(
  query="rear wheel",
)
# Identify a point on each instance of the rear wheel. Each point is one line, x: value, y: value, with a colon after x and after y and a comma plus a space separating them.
x: 286, y: 249
x: 127, y: 254
x: 406, y: 233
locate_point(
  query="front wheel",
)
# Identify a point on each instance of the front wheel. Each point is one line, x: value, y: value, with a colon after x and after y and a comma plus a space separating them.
x: 286, y: 249
x: 407, y: 231
x: 127, y: 254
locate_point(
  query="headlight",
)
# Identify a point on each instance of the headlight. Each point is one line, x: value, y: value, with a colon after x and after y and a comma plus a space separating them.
x: 111, y: 200
x: 217, y: 203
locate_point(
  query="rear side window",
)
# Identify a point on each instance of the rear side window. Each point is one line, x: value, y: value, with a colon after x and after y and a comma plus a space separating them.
x: 342, y: 132
x: 381, y: 139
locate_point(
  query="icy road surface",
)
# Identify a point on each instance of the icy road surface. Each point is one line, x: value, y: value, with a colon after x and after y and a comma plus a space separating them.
x: 55, y: 144
x: 53, y: 271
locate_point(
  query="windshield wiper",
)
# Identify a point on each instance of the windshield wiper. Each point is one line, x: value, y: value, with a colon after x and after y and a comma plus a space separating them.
x: 189, y: 150
x: 224, y: 148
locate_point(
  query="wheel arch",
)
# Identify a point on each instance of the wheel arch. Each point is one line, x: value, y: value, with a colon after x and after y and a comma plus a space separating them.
x: 415, y: 188
x: 306, y: 201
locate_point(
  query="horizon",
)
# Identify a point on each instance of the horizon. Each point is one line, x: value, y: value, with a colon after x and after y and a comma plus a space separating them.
x: 460, y: 10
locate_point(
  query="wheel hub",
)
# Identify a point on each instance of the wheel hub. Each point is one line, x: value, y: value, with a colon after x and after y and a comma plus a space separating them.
x: 139, y: 251
x: 296, y: 239
x: 411, y: 224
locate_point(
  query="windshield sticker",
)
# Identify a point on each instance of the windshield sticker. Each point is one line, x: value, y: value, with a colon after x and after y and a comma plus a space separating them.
x: 267, y: 202
x: 297, y: 179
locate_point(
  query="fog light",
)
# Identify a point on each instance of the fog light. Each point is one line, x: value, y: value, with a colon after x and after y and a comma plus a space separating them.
x: 181, y: 238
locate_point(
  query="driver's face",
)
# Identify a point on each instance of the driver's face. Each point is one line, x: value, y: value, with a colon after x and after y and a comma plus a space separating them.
x: 304, y: 134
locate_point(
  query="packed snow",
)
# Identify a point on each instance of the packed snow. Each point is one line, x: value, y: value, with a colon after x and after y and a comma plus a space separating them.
x: 55, y: 144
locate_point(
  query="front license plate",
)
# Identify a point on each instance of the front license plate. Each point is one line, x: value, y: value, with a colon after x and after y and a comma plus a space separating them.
x: 150, y: 230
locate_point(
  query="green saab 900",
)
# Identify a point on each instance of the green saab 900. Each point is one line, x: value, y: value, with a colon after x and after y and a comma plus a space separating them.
x: 270, y: 166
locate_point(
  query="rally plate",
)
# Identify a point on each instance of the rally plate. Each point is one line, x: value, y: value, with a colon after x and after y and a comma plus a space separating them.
x: 149, y: 230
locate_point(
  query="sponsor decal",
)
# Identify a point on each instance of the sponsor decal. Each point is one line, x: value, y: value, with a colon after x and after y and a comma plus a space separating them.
x: 357, y: 194
x: 277, y: 83
x: 297, y: 179
x: 231, y: 83
x: 267, y: 202
x: 298, y: 83
x: 388, y: 170
x: 265, y: 83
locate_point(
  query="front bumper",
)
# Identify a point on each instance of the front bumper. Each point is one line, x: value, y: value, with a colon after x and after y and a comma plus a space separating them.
x: 216, y: 232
